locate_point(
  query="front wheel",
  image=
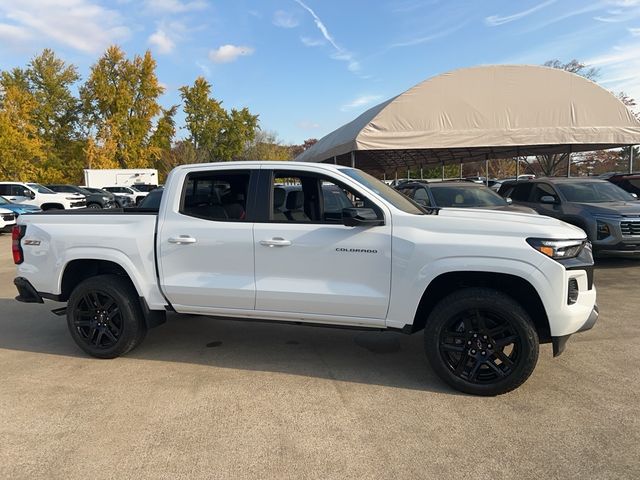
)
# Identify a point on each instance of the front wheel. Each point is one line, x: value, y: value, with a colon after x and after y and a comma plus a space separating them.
x: 94, y: 205
x: 481, y: 341
x: 104, y: 316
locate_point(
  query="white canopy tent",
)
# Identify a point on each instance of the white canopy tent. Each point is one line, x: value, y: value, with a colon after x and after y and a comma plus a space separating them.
x: 497, y: 111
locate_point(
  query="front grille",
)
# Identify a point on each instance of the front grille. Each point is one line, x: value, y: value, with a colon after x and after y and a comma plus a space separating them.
x: 630, y: 228
x: 9, y: 217
x: 79, y: 204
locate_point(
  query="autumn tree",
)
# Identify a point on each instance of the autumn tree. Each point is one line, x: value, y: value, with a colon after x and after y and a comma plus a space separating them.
x: 20, y: 146
x: 120, y: 102
x: 266, y: 146
x: 215, y: 133
x: 298, y: 149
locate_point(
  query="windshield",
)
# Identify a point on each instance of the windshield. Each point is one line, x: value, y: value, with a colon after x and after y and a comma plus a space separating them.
x: 594, y: 192
x: 380, y: 188
x: 40, y: 188
x: 466, y: 197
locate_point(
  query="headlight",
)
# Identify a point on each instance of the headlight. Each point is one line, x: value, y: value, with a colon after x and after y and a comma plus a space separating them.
x: 557, y: 249
x: 105, y: 199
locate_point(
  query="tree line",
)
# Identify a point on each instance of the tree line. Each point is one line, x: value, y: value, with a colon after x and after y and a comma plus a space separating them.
x: 52, y: 126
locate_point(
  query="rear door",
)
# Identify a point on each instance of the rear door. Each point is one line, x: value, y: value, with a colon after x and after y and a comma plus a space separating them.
x: 205, y: 241
x: 308, y: 263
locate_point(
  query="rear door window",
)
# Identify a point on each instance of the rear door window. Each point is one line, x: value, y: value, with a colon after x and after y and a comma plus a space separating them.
x: 521, y: 192
x: 217, y: 195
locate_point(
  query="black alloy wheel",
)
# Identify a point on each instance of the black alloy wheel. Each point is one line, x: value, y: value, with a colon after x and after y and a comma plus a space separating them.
x: 94, y: 205
x: 480, y: 346
x: 104, y: 316
x: 481, y: 341
x: 98, y: 320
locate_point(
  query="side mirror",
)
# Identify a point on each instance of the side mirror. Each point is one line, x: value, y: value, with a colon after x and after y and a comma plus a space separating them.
x: 549, y: 199
x: 509, y: 200
x: 28, y: 193
x: 634, y: 195
x: 422, y: 202
x: 360, y: 217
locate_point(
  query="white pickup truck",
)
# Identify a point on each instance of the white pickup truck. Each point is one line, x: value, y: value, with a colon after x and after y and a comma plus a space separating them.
x: 257, y: 240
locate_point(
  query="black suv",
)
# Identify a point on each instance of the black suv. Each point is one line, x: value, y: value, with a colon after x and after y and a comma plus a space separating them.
x: 94, y: 200
x: 460, y: 194
x: 609, y: 215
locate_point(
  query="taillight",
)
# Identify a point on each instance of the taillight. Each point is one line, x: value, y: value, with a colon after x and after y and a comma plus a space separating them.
x: 16, y: 235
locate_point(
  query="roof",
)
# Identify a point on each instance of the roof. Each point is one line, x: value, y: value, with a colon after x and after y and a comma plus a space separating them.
x: 496, y: 111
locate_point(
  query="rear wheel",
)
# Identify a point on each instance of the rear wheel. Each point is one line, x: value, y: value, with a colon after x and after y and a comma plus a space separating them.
x: 481, y: 341
x: 94, y: 205
x: 104, y: 316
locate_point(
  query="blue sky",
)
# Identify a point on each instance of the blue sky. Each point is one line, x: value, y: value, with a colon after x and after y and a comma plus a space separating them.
x: 308, y: 66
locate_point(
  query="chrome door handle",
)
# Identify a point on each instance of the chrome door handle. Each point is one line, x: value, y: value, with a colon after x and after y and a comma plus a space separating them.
x: 275, y: 242
x: 182, y: 239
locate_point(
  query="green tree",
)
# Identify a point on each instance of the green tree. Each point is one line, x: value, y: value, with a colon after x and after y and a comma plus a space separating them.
x: 215, y: 133
x: 162, y: 139
x: 120, y: 101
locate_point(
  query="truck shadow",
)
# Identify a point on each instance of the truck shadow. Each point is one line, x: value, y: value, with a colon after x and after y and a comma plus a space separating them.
x: 377, y: 358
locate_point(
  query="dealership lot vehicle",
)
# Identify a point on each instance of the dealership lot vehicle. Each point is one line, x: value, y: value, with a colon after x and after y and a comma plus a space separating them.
x: 94, y: 200
x: 458, y: 195
x: 609, y: 215
x: 484, y: 310
x: 120, y: 201
x: 7, y: 220
x: 18, y: 208
x: 40, y: 196
x: 627, y: 181
x: 131, y: 193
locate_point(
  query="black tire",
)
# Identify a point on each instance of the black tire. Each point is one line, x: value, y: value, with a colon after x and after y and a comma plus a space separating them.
x: 104, y: 316
x: 94, y: 205
x: 481, y: 341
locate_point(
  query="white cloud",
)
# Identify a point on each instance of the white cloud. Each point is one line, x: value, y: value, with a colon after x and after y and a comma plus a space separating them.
x: 229, y: 53
x: 312, y: 42
x: 495, y: 20
x: 13, y: 33
x: 634, y: 31
x: 284, y: 19
x: 79, y: 24
x: 360, y: 101
x: 161, y: 40
x: 620, y: 67
x: 205, y: 69
x: 340, y: 53
x: 175, y: 6
x: 428, y: 38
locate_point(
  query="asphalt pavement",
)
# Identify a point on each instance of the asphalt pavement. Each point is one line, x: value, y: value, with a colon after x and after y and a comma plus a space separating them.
x: 222, y: 399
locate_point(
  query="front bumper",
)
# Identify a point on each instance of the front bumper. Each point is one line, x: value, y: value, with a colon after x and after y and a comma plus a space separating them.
x: 559, y: 343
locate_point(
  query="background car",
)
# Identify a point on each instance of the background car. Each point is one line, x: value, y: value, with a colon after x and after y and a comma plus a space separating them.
x: 121, y: 201
x: 627, y: 181
x: 7, y: 220
x: 122, y: 191
x: 609, y: 215
x: 94, y: 200
x: 40, y: 196
x: 145, y: 187
x: 458, y: 195
x: 18, y: 208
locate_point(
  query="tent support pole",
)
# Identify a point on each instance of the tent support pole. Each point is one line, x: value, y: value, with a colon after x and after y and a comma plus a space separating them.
x: 631, y: 159
x: 460, y: 170
x: 353, y: 159
x: 517, y: 167
x: 486, y: 170
x: 421, y: 175
x: 335, y: 160
x: 443, y: 170
x: 396, y: 176
x: 408, y: 174
x: 569, y: 163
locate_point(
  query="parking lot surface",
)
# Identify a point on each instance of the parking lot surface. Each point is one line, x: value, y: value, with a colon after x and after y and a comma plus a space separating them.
x: 211, y: 398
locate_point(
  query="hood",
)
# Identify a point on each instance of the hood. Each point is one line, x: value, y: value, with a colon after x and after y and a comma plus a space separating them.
x: 21, y: 208
x: 496, y: 223
x: 510, y: 208
x: 629, y: 209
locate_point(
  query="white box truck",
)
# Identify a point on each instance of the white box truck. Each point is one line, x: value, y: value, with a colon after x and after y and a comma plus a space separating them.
x: 96, y: 178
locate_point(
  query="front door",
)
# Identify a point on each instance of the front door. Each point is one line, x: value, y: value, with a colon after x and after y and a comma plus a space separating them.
x: 309, y: 263
x: 205, y: 243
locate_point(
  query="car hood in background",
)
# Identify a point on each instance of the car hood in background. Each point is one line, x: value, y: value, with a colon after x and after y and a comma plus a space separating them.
x: 630, y: 209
